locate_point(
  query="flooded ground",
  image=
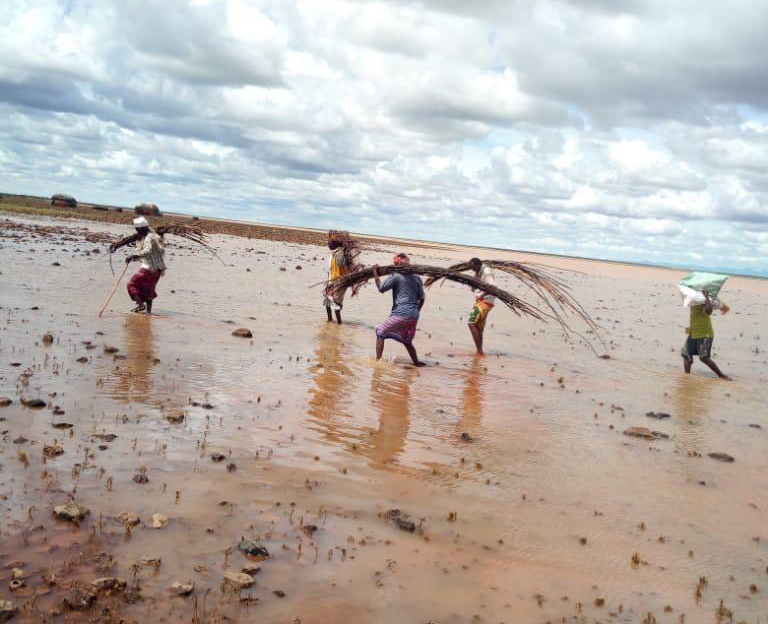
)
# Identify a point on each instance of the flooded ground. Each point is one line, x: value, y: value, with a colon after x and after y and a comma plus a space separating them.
x: 544, y: 511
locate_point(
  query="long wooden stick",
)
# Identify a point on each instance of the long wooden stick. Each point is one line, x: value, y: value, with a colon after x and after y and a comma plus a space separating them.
x: 114, y: 288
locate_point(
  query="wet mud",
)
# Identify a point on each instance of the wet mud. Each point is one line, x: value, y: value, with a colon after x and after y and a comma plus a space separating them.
x: 161, y: 469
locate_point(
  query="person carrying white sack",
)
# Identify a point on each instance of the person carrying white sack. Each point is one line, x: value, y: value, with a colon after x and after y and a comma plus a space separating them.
x: 701, y: 334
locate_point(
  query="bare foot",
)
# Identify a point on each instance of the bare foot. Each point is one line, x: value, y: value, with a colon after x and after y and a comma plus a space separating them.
x: 139, y: 308
x: 419, y: 363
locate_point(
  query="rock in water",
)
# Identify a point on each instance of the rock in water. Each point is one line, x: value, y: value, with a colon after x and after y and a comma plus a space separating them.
x: 128, y: 518
x: 71, y: 512
x: 107, y: 583
x: 218, y: 457
x: 33, y: 403
x: 243, y: 332
x: 645, y: 433
x: 141, y: 478
x: 250, y: 569
x: 657, y: 415
x: 405, y: 525
x: 182, y: 589
x: 159, y: 521
x: 48, y: 339
x: 175, y: 417
x: 238, y: 580
x: 723, y: 457
x: 78, y: 600
x: 5, y: 402
x: 52, y: 450
x: 253, y: 549
x: 7, y: 610
x: 465, y: 437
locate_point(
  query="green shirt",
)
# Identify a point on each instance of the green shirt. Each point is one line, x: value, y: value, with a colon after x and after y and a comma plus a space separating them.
x: 701, y: 323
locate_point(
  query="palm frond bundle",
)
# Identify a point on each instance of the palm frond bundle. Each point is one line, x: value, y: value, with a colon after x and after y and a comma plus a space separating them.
x: 552, y: 291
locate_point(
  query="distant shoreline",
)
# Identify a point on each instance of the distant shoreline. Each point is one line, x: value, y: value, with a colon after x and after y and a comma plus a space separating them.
x: 34, y: 205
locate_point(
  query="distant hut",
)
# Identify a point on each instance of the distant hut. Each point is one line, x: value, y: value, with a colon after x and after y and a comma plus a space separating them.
x: 147, y: 210
x: 59, y: 199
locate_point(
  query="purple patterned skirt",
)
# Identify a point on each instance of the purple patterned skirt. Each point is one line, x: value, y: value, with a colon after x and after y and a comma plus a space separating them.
x: 398, y: 328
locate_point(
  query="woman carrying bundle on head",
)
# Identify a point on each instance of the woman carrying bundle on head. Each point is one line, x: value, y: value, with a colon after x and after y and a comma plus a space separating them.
x: 337, y: 267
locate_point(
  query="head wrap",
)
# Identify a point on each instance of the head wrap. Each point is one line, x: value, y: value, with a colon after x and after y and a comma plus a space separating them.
x: 401, y: 259
x: 140, y: 222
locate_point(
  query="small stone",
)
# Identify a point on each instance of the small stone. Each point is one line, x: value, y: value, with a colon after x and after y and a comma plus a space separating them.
x: 253, y: 549
x: 47, y: 338
x: 108, y: 583
x: 82, y: 359
x: 33, y: 403
x: 405, y: 525
x: 182, y: 589
x: 110, y: 349
x: 753, y: 425
x: 5, y: 402
x: 644, y: 432
x: 141, y: 478
x: 105, y: 437
x: 159, y: 521
x: 7, y: 610
x: 20, y: 440
x: 62, y: 425
x: 309, y: 529
x: 71, y: 512
x: 16, y: 584
x: 52, y: 450
x: 128, y: 518
x: 152, y: 562
x: 17, y: 573
x: 465, y: 437
x: 279, y: 593
x: 251, y: 569
x: 78, y: 600
x: 657, y: 415
x: 175, y: 417
x: 243, y: 332
x: 231, y: 467
x: 723, y: 457
x: 218, y: 457
x: 238, y: 580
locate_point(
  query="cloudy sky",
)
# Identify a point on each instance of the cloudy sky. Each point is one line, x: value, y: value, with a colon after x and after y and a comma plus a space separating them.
x: 620, y: 129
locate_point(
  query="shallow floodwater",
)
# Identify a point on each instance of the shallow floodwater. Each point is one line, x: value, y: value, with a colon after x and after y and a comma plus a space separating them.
x: 546, y: 512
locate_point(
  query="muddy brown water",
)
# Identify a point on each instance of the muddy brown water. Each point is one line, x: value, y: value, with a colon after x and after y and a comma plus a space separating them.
x: 537, y: 518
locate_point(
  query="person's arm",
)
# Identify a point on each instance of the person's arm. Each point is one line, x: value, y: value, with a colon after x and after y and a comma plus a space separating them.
x: 375, y: 269
x: 708, y: 307
x: 422, y: 295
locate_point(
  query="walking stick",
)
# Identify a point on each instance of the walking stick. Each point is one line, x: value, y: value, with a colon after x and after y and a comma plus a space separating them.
x: 114, y: 288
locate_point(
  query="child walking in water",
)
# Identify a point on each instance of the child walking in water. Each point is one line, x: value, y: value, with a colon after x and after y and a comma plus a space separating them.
x: 700, y: 336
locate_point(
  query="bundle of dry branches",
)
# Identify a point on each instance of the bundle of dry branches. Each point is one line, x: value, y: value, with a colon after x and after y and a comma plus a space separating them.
x: 517, y: 305
x: 177, y: 229
x: 553, y: 292
x: 351, y: 252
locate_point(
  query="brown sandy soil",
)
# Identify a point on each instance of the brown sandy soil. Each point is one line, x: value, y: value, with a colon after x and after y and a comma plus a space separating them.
x: 543, y: 512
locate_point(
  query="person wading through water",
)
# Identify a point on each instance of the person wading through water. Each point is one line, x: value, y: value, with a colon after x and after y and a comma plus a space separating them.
x: 407, y: 300
x: 337, y: 267
x: 151, y: 251
x: 700, y: 336
x: 483, y: 303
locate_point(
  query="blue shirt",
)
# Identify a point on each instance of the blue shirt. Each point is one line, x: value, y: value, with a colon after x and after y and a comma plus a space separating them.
x: 407, y: 293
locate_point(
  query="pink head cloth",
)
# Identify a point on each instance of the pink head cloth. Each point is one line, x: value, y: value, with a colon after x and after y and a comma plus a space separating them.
x: 400, y: 259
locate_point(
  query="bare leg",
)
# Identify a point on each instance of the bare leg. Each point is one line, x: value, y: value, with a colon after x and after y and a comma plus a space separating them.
x: 711, y: 363
x: 414, y: 357
x: 379, y: 348
x: 338, y: 316
x: 328, y: 312
x: 687, y: 365
x: 149, y: 306
x: 477, y: 336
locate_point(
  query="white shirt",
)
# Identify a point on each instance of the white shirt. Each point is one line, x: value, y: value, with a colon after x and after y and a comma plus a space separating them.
x: 151, y: 251
x: 486, y: 275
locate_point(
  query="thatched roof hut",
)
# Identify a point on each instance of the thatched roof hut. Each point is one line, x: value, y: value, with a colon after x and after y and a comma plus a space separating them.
x: 147, y: 210
x: 60, y: 199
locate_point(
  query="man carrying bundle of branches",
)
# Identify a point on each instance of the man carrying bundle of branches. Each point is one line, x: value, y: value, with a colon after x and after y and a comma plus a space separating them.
x: 484, y: 303
x: 151, y: 251
x: 407, y: 300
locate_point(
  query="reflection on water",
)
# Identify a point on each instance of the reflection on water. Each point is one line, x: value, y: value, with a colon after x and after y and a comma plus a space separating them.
x: 691, y: 404
x: 472, y: 398
x: 133, y: 376
x: 390, y: 396
x: 332, y: 379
